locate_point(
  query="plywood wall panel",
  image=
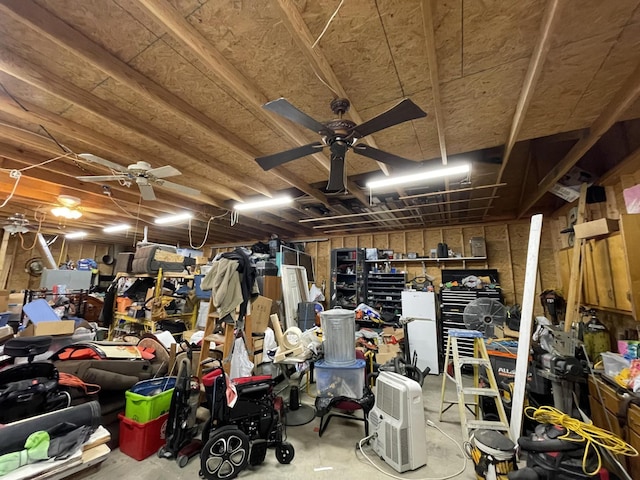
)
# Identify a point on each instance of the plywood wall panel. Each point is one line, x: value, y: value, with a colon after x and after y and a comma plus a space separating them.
x: 415, y: 242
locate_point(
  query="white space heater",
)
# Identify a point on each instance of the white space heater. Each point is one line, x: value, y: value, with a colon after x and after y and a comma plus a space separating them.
x: 397, y: 419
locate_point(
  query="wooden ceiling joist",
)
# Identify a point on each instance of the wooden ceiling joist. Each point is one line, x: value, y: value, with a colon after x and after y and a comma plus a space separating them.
x: 39, y: 19
x: 50, y: 120
x: 182, y: 31
x: 534, y: 70
x: 32, y: 74
x: 623, y: 99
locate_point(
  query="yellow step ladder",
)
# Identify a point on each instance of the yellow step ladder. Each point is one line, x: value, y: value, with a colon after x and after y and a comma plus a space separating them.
x: 480, y: 359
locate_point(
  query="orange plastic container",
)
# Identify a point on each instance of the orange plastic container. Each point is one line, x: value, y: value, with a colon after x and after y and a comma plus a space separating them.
x: 122, y: 303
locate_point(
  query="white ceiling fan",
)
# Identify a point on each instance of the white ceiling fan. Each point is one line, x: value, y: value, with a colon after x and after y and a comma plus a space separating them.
x: 140, y: 172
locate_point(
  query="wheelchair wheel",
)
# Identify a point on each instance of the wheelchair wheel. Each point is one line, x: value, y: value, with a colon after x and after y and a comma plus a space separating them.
x: 258, y: 453
x: 225, y: 454
x: 285, y: 453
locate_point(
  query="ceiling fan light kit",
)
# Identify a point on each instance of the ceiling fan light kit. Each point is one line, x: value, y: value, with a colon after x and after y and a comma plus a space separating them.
x: 116, y: 228
x: 179, y: 217
x: 419, y: 177
x: 271, y: 202
x: 341, y: 135
x: 66, y: 212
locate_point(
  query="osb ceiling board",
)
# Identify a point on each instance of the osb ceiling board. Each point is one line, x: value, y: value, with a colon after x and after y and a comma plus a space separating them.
x: 161, y: 118
x: 478, y: 108
x: 357, y: 48
x: 615, y: 70
x: 567, y: 74
x: 497, y: 32
x: 633, y: 111
x: 404, y: 28
x: 252, y: 37
x: 582, y: 19
x: 447, y: 23
x: 154, y: 154
x: 105, y: 23
x: 25, y: 93
x: 22, y: 40
x: 415, y: 140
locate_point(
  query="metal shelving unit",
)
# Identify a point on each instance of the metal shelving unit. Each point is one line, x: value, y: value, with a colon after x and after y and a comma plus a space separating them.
x: 384, y: 291
x: 347, y: 277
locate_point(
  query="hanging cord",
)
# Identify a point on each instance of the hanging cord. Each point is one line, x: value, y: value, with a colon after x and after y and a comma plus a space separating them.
x: 69, y: 380
x: 590, y: 434
x: 324, y: 30
x: 17, y: 175
x: 235, y: 217
x: 35, y: 240
x: 206, y: 235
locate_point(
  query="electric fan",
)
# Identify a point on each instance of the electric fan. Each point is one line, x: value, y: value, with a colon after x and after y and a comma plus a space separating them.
x: 485, y: 315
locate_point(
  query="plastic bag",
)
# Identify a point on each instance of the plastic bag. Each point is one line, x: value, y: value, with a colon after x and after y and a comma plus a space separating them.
x: 269, y: 344
x: 315, y: 294
x: 241, y: 366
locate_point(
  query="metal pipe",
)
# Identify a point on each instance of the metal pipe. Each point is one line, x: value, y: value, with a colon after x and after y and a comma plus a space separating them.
x: 46, y: 253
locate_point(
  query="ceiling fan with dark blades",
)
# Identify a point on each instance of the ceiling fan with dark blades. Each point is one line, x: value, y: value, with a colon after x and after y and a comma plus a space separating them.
x: 340, y: 135
x: 140, y: 173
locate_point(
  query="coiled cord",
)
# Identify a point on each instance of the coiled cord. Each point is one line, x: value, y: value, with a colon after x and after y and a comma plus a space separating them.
x: 591, y: 435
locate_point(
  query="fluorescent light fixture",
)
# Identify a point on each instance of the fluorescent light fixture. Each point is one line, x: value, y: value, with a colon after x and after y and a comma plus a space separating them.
x: 173, y: 218
x: 271, y: 202
x: 76, y: 235
x: 116, y: 228
x: 418, y: 177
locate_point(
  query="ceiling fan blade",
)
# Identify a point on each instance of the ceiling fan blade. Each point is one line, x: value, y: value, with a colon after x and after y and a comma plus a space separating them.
x: 166, y: 171
x: 100, y: 178
x: 384, y: 157
x: 91, y: 158
x: 270, y: 161
x: 337, y: 172
x: 404, y: 111
x: 146, y: 191
x: 179, y: 188
x: 282, y: 107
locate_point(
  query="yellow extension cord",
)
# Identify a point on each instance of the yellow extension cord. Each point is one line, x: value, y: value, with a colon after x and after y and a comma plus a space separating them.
x: 590, y: 434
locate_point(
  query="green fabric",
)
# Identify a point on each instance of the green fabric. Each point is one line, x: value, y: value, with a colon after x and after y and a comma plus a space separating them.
x: 36, y: 449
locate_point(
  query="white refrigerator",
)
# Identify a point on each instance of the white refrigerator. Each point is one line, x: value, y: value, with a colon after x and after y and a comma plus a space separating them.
x: 422, y: 330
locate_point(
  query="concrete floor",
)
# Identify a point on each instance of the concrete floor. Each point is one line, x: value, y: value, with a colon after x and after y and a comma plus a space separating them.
x: 333, y: 456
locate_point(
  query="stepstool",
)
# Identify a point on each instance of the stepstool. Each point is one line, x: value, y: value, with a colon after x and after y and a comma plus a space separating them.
x: 480, y: 358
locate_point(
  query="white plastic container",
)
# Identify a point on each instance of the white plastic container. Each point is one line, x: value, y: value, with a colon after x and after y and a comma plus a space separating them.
x: 340, y: 381
x: 614, y: 363
x: 339, y: 336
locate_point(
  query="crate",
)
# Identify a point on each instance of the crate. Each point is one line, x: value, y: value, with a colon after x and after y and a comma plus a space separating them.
x: 613, y: 363
x: 141, y: 440
x: 142, y: 406
x: 340, y: 380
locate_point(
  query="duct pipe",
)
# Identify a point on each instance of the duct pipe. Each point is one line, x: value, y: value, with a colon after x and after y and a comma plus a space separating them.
x: 46, y: 253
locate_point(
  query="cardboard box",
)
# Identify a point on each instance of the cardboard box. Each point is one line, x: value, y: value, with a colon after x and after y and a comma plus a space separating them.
x: 43, y: 320
x: 260, y: 312
x: 386, y: 352
x: 595, y: 228
x: 4, y: 300
x: 392, y: 335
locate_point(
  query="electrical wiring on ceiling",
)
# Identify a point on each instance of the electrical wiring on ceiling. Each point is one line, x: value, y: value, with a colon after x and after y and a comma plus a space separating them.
x: 206, y: 235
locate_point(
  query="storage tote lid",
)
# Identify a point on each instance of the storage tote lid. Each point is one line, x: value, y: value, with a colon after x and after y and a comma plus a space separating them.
x: 358, y: 363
